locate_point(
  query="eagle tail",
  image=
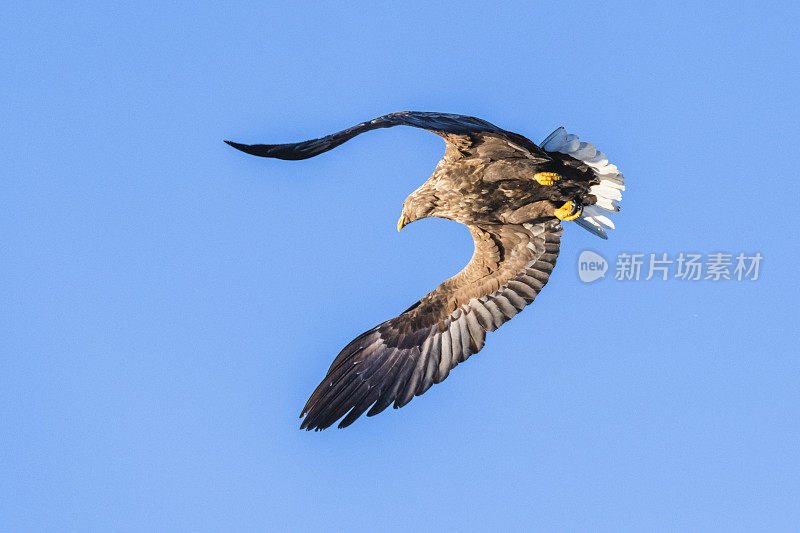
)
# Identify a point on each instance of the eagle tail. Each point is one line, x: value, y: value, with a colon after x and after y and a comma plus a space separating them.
x: 609, y: 188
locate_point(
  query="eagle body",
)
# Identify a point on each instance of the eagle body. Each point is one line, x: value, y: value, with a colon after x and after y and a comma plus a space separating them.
x: 512, y: 195
x: 497, y: 189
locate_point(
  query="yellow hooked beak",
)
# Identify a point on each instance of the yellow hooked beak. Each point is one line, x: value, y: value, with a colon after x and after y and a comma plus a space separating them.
x: 402, y: 222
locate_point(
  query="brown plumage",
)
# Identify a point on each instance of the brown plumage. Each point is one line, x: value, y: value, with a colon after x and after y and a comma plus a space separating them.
x: 486, y: 181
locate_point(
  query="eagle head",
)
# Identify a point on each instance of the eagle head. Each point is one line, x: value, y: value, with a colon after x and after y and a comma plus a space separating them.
x: 419, y: 204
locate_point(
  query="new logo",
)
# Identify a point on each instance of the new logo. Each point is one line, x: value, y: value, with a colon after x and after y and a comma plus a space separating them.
x: 591, y: 266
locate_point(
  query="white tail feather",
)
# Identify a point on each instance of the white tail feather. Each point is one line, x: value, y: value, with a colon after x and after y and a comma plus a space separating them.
x: 608, y: 191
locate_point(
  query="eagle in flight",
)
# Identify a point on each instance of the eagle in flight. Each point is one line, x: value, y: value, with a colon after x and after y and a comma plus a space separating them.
x: 512, y: 195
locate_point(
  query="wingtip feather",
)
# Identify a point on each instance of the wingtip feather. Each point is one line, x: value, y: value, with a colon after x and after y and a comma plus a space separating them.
x: 251, y: 149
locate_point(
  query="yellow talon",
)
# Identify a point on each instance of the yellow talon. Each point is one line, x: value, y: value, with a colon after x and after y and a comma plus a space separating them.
x: 546, y: 178
x: 565, y: 212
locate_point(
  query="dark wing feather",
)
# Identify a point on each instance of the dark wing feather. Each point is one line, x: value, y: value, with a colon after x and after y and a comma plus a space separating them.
x: 458, y: 130
x: 404, y: 356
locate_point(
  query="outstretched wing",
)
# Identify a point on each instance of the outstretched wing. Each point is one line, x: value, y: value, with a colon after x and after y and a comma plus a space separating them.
x: 404, y: 356
x: 458, y: 130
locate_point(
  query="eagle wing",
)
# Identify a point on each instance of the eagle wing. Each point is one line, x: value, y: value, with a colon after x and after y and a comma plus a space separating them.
x: 402, y: 357
x: 459, y: 131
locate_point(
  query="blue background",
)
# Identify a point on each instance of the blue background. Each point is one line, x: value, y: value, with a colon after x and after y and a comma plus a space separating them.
x: 168, y: 303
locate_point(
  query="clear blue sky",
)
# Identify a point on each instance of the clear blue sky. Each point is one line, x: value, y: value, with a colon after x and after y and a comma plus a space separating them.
x: 167, y: 304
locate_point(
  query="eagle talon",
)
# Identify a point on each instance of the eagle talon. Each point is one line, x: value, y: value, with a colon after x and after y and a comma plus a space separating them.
x: 568, y: 211
x: 546, y: 178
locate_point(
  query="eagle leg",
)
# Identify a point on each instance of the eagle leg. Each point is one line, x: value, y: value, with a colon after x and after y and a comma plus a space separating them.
x: 546, y: 178
x: 569, y: 211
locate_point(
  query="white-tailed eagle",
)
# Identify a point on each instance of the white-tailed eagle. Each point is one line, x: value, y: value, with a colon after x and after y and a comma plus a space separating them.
x: 512, y: 195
